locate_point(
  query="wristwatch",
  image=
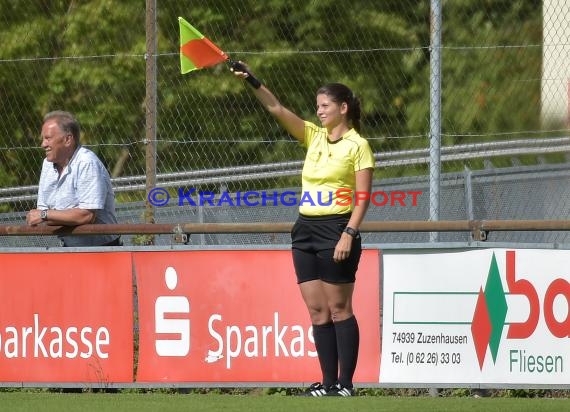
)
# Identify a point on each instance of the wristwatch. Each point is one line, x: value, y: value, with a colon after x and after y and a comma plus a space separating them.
x: 43, y: 214
x: 351, y: 231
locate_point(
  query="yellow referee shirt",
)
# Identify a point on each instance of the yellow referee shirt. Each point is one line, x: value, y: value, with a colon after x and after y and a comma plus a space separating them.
x: 330, y: 166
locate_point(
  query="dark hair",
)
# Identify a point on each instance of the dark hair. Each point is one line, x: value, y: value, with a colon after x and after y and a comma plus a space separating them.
x: 66, y: 122
x: 339, y: 93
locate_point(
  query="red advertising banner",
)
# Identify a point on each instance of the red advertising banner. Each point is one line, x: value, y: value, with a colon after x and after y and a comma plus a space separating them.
x: 66, y: 317
x: 237, y: 316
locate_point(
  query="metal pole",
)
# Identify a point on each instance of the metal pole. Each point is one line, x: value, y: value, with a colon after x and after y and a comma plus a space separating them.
x: 150, y: 107
x: 468, y: 184
x: 435, y: 114
x: 473, y: 226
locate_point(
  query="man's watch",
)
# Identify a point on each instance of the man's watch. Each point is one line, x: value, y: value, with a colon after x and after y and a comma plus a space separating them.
x: 43, y: 214
x: 351, y: 231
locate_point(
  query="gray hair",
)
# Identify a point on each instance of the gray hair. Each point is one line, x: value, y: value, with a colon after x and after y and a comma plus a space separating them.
x: 66, y: 122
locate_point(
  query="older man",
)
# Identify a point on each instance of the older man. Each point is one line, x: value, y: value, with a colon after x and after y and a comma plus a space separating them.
x: 75, y: 187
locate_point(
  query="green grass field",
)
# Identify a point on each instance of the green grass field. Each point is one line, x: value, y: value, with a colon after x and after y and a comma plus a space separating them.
x: 154, y: 402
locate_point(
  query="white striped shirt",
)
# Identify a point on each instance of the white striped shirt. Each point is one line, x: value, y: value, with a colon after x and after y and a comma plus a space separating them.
x: 85, y: 184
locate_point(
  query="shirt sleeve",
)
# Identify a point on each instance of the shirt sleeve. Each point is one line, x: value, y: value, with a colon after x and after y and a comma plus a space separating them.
x: 311, y: 131
x: 364, y: 157
x: 91, y: 186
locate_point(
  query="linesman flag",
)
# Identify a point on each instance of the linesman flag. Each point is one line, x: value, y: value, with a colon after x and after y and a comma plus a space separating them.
x: 196, y: 51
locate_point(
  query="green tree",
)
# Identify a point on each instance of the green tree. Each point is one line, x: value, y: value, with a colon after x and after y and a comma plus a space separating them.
x: 88, y: 57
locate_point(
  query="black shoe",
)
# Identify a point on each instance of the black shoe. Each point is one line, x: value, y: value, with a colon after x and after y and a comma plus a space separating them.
x: 339, y: 390
x: 316, y: 389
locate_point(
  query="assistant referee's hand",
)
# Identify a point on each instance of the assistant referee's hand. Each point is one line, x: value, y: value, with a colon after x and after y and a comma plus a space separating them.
x: 343, y: 247
x: 241, y: 70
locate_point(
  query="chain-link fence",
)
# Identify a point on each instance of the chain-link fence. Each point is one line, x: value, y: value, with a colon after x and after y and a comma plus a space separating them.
x: 504, y: 75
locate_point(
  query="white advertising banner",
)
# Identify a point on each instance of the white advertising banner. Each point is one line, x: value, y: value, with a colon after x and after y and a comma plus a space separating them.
x: 485, y: 316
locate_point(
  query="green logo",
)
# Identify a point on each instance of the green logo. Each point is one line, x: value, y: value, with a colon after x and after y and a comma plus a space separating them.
x: 490, y: 314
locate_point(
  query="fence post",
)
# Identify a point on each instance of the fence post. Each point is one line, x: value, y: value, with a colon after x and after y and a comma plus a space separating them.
x: 468, y: 189
x: 435, y: 114
x: 150, y: 107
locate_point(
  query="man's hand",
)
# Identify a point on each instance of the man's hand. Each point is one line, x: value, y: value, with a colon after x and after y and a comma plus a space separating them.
x: 33, y: 218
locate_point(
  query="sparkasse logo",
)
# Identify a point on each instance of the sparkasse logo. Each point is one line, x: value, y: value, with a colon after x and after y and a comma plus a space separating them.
x: 172, y: 319
x: 491, y: 311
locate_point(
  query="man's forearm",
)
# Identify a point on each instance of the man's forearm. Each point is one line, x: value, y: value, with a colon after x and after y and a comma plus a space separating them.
x: 70, y: 217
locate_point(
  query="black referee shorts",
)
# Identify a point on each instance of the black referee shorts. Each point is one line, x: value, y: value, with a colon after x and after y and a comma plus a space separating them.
x: 313, y: 242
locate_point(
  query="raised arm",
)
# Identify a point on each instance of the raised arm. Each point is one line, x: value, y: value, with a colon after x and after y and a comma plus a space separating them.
x: 294, y: 125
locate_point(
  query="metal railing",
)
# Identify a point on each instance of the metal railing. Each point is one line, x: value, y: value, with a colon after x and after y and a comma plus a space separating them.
x: 479, y: 228
x: 293, y: 168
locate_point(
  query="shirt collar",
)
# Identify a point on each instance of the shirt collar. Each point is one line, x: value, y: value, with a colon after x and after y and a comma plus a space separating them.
x: 73, y: 156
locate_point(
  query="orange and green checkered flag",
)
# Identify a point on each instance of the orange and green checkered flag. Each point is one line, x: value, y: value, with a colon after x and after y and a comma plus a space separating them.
x: 196, y: 51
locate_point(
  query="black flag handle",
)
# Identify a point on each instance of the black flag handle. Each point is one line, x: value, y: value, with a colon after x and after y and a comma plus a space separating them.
x: 240, y: 67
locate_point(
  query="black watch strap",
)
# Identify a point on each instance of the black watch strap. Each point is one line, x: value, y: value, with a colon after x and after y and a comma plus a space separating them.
x: 351, y: 231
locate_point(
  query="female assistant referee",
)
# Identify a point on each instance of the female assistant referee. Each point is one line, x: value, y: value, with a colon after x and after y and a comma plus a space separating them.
x: 326, y: 242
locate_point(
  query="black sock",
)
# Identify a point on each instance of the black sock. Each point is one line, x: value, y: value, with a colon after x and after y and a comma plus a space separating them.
x: 348, y: 339
x: 325, y: 342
